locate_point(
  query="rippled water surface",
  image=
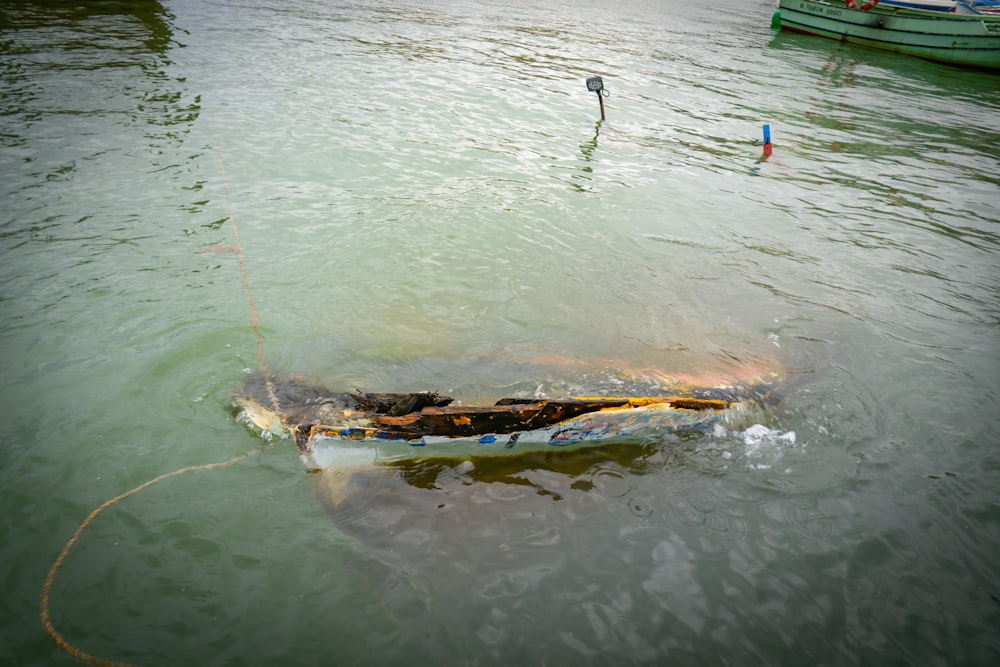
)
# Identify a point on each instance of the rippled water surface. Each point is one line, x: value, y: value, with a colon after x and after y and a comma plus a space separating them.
x: 426, y: 198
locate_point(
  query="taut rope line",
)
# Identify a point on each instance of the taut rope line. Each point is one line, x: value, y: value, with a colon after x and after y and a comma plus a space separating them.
x: 238, y: 249
x: 46, y: 617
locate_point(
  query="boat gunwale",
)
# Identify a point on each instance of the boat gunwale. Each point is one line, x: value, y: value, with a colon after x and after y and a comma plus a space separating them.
x: 980, y: 49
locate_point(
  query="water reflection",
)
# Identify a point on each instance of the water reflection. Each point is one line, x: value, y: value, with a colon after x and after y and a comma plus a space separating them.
x: 70, y: 71
x: 587, y: 150
x: 124, y: 47
x: 608, y: 551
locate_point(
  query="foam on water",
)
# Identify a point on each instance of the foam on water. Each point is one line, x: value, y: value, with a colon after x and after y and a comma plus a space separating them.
x: 762, y: 447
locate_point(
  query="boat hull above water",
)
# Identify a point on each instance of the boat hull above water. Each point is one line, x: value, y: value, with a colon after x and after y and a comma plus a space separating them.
x: 962, y: 39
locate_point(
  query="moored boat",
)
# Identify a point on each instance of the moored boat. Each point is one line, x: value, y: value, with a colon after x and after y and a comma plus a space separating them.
x: 962, y: 38
x: 929, y: 5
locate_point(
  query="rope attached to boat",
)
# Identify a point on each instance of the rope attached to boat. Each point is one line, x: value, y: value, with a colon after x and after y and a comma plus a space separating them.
x: 238, y: 251
x: 45, y: 615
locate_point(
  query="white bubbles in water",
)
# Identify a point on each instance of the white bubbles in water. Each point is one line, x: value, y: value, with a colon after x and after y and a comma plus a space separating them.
x: 759, y: 435
x: 761, y: 447
x: 764, y: 446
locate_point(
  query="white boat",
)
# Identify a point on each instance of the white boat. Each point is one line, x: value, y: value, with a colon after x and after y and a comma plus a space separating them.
x: 962, y: 38
x: 929, y: 5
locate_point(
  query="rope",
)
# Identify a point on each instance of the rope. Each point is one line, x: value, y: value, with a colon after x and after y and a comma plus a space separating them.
x: 238, y: 251
x: 46, y: 617
x: 61, y: 641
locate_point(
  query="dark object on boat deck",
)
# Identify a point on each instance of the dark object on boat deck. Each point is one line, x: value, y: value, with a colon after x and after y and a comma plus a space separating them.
x: 506, y: 416
x: 396, y: 405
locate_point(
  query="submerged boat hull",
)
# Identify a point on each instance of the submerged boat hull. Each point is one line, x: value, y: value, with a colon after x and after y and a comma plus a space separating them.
x: 337, y: 430
x: 332, y: 446
x: 963, y: 39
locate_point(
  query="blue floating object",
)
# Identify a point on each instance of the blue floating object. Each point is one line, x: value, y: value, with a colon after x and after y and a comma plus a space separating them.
x: 767, y: 134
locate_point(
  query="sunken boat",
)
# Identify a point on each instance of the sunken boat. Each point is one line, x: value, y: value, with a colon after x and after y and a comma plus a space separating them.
x: 336, y: 430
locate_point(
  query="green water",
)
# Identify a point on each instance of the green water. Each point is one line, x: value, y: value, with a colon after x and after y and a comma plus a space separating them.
x: 426, y: 199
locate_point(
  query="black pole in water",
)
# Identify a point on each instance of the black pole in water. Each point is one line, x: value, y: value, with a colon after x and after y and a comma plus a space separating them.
x: 595, y: 84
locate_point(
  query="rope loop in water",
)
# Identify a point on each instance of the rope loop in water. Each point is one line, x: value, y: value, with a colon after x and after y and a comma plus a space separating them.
x: 46, y: 617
